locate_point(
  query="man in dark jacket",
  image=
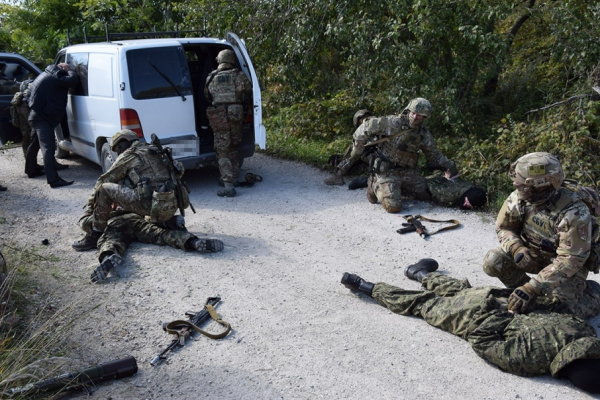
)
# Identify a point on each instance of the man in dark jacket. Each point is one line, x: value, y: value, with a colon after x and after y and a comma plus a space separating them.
x: 47, y: 100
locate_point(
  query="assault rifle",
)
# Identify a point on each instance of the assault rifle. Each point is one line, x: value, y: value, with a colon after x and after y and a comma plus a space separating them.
x: 80, y: 380
x: 185, y: 329
x: 179, y: 184
x: 413, y: 224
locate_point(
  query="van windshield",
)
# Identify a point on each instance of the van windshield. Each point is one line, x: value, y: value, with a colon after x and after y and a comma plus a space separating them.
x: 148, y: 83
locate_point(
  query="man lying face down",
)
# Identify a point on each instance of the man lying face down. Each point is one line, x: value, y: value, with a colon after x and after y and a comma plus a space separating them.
x: 547, y: 338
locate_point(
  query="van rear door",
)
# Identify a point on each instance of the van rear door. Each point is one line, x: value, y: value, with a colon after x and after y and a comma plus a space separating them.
x: 260, y: 134
x: 157, y: 86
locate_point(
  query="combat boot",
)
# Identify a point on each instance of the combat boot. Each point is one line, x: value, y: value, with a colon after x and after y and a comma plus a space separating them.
x: 206, y: 245
x: 107, y: 264
x: 355, y: 282
x: 229, y: 190
x: 89, y: 241
x: 417, y: 271
x: 357, y: 183
x: 371, y: 196
x: 334, y: 180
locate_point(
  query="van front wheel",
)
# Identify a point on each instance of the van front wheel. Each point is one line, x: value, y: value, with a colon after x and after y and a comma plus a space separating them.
x: 107, y: 157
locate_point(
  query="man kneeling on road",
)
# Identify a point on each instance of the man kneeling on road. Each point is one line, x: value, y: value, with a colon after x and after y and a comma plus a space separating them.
x: 142, y: 181
x: 547, y: 338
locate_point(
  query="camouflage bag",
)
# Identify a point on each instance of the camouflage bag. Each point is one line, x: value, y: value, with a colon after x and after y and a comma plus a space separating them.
x: 591, y: 198
x: 14, y: 103
x: 164, y: 203
x: 217, y: 117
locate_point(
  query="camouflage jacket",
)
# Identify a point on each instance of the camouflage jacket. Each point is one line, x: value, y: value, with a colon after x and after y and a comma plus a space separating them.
x: 139, y: 161
x: 398, y: 145
x: 445, y: 191
x: 535, y: 343
x: 227, y: 85
x: 558, y: 232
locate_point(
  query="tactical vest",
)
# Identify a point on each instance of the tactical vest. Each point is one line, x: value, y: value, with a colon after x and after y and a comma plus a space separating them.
x: 539, y: 227
x: 224, y: 87
x: 153, y: 170
x: 402, y: 150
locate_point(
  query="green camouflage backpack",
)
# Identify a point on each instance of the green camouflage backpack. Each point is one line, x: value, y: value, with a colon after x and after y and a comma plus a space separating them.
x: 16, y: 101
x: 591, y: 198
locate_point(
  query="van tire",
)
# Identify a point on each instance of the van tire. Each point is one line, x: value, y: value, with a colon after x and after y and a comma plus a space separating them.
x: 107, y: 157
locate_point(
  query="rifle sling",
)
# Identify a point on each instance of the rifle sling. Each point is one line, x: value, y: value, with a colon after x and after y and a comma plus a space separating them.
x: 455, y: 224
x: 175, y: 327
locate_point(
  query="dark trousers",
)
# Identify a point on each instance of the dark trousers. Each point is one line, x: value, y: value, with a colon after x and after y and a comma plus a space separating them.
x: 44, y: 139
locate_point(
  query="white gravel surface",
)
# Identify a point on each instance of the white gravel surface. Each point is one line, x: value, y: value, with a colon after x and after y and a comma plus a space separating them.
x: 297, y: 332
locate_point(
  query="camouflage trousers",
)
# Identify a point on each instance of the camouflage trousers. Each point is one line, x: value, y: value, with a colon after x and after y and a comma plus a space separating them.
x: 523, y: 344
x: 226, y: 123
x: 23, y: 111
x: 390, y: 186
x: 126, y: 198
x: 125, y: 229
x: 574, y: 292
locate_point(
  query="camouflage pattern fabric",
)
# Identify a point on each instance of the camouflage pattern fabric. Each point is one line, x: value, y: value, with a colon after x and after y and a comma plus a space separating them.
x: 226, y: 121
x: 444, y: 191
x: 228, y: 89
x: 544, y: 340
x: 144, y: 168
x: 390, y: 186
x: 26, y: 129
x: 395, y: 160
x: 558, y: 234
x: 123, y: 230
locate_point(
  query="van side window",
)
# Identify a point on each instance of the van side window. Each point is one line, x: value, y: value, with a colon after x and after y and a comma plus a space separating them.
x: 79, y: 64
x: 150, y: 68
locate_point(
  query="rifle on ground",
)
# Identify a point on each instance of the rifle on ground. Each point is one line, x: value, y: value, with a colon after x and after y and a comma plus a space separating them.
x: 180, y: 185
x: 80, y: 380
x: 413, y: 224
x: 185, y: 329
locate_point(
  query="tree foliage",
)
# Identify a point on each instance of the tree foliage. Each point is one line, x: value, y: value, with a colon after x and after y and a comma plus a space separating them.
x: 483, y: 64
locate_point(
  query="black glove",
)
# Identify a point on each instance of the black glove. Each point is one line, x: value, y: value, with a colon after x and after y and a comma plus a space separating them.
x: 520, y: 298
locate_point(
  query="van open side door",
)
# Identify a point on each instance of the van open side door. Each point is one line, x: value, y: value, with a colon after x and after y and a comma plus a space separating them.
x: 260, y: 134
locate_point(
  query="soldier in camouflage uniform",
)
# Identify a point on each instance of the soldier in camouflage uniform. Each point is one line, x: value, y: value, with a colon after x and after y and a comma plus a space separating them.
x: 402, y: 138
x: 125, y: 228
x: 228, y: 90
x: 548, y: 339
x: 23, y: 112
x: 544, y: 229
x: 344, y: 163
x: 139, y: 181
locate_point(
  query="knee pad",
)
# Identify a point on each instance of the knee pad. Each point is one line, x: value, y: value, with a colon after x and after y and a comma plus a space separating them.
x: 494, y: 263
x: 391, y: 205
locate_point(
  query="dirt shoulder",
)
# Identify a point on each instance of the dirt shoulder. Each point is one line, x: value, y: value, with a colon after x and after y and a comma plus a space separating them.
x: 297, y: 332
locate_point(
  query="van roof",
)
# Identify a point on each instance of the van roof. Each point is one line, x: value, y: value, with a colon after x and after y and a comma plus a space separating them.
x: 141, y: 43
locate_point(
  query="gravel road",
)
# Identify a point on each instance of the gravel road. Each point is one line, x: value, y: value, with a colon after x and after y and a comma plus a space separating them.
x: 297, y: 332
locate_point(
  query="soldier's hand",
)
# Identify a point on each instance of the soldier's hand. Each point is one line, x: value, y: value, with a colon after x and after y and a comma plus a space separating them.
x: 334, y: 159
x: 520, y: 298
x: 522, y: 257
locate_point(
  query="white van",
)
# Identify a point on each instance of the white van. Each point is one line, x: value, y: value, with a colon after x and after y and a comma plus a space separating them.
x: 151, y: 86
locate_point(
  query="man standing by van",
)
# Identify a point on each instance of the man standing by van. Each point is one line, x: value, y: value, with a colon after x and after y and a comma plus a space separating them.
x: 47, y: 98
x: 228, y: 89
